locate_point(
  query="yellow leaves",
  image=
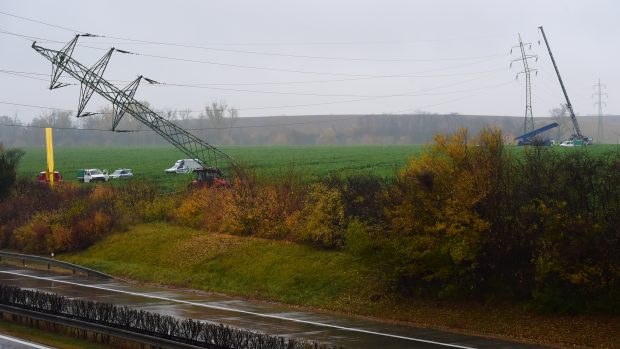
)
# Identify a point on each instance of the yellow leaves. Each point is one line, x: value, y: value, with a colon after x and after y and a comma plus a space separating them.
x: 322, y: 220
x: 31, y: 237
x: 438, y: 231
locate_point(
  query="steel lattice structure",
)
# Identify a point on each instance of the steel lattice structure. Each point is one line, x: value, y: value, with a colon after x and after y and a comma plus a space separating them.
x: 528, y: 124
x: 91, y: 80
x: 600, y: 103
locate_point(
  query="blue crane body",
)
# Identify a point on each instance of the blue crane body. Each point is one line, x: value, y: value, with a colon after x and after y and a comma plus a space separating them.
x: 530, y: 137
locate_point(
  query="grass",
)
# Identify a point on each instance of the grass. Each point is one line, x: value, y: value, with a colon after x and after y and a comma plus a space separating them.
x: 308, y: 162
x: 51, y: 339
x: 184, y: 257
x: 330, y: 280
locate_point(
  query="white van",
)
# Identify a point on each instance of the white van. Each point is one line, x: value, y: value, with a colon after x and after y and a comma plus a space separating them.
x: 184, y: 166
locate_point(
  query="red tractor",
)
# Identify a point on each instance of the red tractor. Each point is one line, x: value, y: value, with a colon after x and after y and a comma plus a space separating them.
x: 210, y: 177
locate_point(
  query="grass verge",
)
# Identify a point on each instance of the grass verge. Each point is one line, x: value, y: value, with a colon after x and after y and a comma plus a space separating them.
x: 329, y: 280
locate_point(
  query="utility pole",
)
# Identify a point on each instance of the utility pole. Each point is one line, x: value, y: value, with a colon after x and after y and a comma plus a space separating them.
x: 528, y: 124
x: 600, y: 94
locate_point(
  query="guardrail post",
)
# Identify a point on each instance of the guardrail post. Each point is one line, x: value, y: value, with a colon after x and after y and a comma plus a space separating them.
x: 48, y: 266
x: 24, y: 262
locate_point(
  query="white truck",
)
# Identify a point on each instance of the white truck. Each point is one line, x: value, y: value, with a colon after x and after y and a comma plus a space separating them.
x: 92, y: 175
x: 184, y: 166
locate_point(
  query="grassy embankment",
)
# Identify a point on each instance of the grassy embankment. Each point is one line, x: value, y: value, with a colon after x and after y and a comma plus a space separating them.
x: 330, y: 280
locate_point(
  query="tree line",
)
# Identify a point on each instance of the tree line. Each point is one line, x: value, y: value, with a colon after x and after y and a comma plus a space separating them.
x: 220, y: 124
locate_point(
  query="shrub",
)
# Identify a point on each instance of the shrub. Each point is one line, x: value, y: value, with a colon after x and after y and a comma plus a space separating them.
x: 322, y: 220
x: 9, y: 158
x: 33, y: 236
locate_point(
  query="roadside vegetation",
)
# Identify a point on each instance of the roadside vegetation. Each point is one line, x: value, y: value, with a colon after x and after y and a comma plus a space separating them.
x: 467, y: 221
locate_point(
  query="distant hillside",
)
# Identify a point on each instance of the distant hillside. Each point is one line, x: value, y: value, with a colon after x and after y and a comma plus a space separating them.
x: 289, y: 130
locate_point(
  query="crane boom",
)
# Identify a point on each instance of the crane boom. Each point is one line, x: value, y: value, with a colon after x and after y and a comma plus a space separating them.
x: 91, y: 80
x: 569, y: 106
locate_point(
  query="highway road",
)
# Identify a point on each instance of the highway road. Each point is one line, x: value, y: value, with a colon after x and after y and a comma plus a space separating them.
x: 8, y: 342
x: 349, y: 332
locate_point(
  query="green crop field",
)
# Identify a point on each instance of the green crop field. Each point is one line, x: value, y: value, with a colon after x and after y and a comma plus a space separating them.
x: 307, y: 162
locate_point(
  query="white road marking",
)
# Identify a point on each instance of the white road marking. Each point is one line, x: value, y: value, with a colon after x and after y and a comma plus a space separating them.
x: 146, y: 295
x: 17, y: 340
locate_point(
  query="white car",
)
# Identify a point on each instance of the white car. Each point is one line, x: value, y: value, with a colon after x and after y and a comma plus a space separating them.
x: 122, y: 173
x: 567, y: 144
x: 92, y: 175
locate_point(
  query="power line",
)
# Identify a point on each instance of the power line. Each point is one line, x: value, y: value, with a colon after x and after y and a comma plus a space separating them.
x: 416, y: 93
x: 407, y: 94
x: 201, y: 46
x: 351, y: 77
x: 260, y: 53
x: 34, y: 106
x: 246, y: 52
x: 450, y: 100
x: 271, y: 125
x: 402, y: 75
x: 284, y: 106
x: 68, y: 128
x: 40, y: 22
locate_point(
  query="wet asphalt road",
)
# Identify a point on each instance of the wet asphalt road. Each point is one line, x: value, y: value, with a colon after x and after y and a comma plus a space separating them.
x: 8, y: 342
x: 259, y: 316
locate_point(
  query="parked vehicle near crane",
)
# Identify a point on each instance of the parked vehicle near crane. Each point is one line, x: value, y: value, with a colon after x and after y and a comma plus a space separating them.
x: 92, y: 175
x: 185, y: 166
x: 121, y: 173
x: 44, y: 177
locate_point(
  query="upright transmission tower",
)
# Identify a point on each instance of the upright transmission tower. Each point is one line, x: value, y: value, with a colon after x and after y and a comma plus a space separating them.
x: 528, y: 124
x: 599, y: 93
x: 91, y: 80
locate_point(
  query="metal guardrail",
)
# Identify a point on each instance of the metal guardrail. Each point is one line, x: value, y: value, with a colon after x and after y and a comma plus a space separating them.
x: 52, y: 262
x: 144, y: 340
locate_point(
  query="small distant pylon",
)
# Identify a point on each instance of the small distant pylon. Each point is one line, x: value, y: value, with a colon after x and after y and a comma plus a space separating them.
x: 600, y: 103
x: 528, y: 124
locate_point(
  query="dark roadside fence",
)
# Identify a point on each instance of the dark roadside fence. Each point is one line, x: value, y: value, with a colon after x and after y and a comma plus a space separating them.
x: 167, y: 327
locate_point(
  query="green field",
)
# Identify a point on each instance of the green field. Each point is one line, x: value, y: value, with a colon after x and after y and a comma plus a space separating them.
x: 307, y: 162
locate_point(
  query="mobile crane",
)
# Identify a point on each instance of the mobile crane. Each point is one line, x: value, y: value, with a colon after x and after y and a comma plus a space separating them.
x: 578, y: 138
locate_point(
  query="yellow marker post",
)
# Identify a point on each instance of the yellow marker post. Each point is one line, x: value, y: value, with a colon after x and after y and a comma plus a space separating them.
x: 50, y: 155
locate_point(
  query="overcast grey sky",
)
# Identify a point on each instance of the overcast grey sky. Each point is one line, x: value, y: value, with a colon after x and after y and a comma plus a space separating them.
x: 320, y: 57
